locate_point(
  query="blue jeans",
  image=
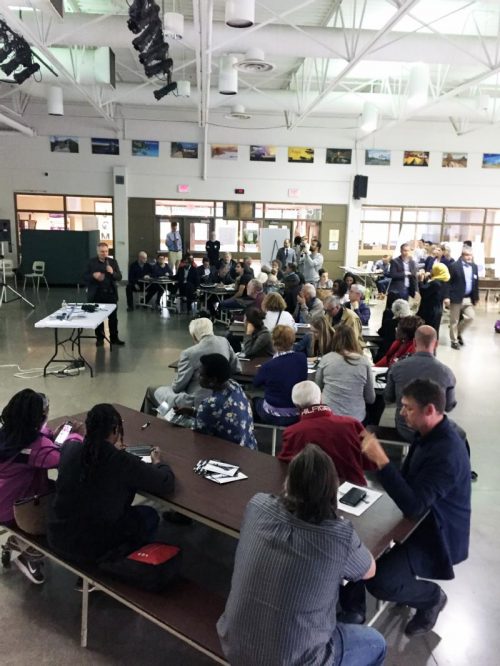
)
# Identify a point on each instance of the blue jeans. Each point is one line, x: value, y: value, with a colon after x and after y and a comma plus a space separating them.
x: 355, y: 645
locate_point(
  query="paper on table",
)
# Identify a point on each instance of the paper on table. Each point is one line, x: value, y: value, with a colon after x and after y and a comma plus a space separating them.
x: 146, y: 459
x: 223, y: 478
x: 371, y: 497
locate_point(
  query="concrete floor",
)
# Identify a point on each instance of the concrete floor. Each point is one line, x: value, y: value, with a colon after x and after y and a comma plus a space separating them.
x: 41, y: 624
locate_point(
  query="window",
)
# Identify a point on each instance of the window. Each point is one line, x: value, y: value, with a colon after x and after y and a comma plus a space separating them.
x: 378, y: 238
x: 39, y: 202
x: 167, y: 207
x: 464, y: 216
x: 422, y: 215
x: 198, y: 234
x: 250, y: 237
x: 380, y: 214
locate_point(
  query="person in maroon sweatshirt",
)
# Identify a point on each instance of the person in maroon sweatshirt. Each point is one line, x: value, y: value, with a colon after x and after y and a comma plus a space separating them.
x: 338, y: 436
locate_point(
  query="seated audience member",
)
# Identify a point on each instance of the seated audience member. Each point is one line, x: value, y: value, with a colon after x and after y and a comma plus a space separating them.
x: 345, y: 376
x: 185, y: 390
x: 422, y: 363
x: 357, y: 303
x: 278, y: 377
x: 187, y: 279
x: 27, y: 451
x: 339, y: 289
x: 229, y: 263
x: 404, y: 344
x: 206, y: 272
x: 292, y: 286
x: 257, y: 339
x: 138, y: 270
x: 255, y: 293
x: 319, y: 340
x: 434, y: 480
x: 433, y: 292
x: 275, y: 308
x: 92, y: 515
x: 276, y: 269
x: 223, y: 275
x: 383, y: 281
x: 395, y: 309
x: 212, y: 248
x: 288, y: 569
x: 339, y: 315
x: 349, y: 279
x: 240, y: 298
x: 159, y: 270
x: 227, y: 413
x: 308, y: 305
x: 338, y: 436
x: 271, y: 286
x: 247, y: 262
x: 324, y: 281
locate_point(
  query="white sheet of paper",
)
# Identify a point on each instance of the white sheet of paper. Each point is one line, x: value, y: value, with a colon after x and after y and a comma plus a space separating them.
x: 146, y: 459
x: 371, y: 497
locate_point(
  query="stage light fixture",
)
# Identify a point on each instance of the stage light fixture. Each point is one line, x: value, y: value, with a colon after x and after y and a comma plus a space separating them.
x: 170, y: 87
x: 157, y: 53
x: 161, y: 67
x: 151, y: 34
x: 20, y: 77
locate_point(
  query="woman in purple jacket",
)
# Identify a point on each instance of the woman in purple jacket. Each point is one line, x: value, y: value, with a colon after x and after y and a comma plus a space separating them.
x: 27, y: 451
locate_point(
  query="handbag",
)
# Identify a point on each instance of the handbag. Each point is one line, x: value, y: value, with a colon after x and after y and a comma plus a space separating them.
x: 31, y: 513
x: 151, y: 567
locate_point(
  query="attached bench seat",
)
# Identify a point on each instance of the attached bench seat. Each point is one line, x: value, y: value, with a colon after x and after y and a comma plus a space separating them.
x: 274, y: 435
x: 185, y: 610
x: 391, y: 436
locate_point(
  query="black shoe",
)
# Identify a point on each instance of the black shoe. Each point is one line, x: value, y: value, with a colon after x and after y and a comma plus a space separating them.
x: 473, y: 476
x: 31, y: 569
x: 117, y: 342
x: 455, y: 345
x: 176, y: 518
x: 460, y: 340
x: 99, y: 342
x: 350, y: 617
x: 130, y: 309
x: 424, y: 620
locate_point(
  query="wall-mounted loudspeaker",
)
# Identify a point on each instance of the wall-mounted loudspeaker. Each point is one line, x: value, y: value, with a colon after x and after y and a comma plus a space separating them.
x: 360, y: 190
x: 119, y: 180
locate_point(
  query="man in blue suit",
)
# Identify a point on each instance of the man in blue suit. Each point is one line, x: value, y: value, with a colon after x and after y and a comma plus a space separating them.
x: 464, y: 294
x: 434, y: 482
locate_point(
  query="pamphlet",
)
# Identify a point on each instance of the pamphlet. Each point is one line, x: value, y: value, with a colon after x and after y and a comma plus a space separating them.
x: 218, y: 471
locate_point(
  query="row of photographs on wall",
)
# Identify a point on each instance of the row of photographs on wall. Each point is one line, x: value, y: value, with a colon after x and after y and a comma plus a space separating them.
x: 299, y: 154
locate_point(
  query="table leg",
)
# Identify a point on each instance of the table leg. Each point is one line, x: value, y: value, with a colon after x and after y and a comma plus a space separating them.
x: 80, y: 355
x: 56, y: 345
x: 85, y: 613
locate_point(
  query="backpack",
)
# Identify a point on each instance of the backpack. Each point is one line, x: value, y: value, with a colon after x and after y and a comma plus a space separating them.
x: 497, y: 326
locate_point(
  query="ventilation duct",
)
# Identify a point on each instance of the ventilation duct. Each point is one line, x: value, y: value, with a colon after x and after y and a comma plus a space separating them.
x: 240, y: 13
x: 173, y: 25
x: 418, y: 85
x: 55, y: 101
x: 228, y: 76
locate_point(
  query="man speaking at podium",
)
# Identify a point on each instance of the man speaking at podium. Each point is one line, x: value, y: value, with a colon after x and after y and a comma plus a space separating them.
x: 101, y: 278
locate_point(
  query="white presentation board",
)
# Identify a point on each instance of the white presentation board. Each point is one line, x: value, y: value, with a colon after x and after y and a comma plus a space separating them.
x: 270, y: 242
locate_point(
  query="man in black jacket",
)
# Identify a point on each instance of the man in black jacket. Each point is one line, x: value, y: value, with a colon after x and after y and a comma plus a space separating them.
x: 403, y: 274
x: 286, y: 254
x: 138, y: 270
x: 464, y: 294
x: 101, y: 278
x: 212, y: 248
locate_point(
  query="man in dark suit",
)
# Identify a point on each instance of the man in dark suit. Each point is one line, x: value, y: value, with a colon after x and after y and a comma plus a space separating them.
x: 188, y: 279
x: 403, y: 274
x: 101, y: 277
x: 286, y: 254
x: 138, y: 270
x: 206, y: 272
x: 433, y: 484
x: 464, y: 294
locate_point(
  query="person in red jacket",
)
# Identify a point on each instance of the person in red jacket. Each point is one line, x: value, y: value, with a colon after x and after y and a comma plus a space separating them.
x: 338, y: 436
x: 404, y: 344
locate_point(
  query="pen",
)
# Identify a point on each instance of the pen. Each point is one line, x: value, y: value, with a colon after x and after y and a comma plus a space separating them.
x: 145, y: 425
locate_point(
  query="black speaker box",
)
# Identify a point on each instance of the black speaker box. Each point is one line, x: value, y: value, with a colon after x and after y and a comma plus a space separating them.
x: 360, y: 190
x: 5, y: 231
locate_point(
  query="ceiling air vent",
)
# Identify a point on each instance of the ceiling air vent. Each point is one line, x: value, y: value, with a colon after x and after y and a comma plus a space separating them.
x: 238, y: 113
x: 254, y: 63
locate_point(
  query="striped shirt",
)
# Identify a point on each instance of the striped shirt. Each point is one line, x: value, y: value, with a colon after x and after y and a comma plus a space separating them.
x: 281, y: 610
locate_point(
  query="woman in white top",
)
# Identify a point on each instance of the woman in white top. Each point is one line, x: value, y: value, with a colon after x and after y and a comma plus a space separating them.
x: 275, y: 308
x: 345, y: 376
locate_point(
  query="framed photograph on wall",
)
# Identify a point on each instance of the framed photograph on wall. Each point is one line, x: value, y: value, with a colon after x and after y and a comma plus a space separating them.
x: 224, y: 151
x: 454, y: 160
x: 416, y: 158
x: 491, y: 161
x: 374, y: 157
x: 64, y: 144
x: 144, y: 148
x: 262, y: 153
x: 301, y: 154
x: 184, y: 150
x: 338, y: 155
x: 105, y: 146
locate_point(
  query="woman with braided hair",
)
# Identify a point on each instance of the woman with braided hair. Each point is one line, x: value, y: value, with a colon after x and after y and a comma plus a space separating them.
x: 27, y: 451
x: 92, y: 515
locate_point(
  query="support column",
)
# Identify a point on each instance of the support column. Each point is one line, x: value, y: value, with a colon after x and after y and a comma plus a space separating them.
x: 353, y: 232
x: 120, y: 212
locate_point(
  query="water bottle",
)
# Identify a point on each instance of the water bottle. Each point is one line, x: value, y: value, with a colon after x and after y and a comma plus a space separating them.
x: 64, y: 306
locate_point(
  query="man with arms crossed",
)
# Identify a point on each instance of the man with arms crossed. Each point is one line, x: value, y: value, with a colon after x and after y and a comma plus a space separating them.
x: 434, y: 482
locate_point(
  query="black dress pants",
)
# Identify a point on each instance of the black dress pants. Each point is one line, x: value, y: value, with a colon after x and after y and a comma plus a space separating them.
x: 394, y: 581
x: 107, y: 297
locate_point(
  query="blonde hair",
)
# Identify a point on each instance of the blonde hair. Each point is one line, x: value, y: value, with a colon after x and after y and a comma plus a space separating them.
x: 345, y: 342
x: 273, y: 302
x: 283, y: 338
x: 323, y: 343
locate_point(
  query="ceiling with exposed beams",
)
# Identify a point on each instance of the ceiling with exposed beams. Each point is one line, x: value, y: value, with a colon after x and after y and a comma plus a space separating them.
x: 330, y: 57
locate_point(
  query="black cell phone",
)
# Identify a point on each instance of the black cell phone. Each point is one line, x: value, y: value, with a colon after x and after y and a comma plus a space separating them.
x: 353, y: 496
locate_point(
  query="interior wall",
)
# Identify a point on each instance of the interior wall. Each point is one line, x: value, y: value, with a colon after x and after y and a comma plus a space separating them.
x: 27, y: 165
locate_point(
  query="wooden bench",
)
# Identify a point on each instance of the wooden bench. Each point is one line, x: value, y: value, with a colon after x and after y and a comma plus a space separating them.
x: 185, y: 610
x: 390, y: 436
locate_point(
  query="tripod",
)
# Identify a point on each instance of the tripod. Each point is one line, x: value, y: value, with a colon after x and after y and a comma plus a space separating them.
x: 4, y: 287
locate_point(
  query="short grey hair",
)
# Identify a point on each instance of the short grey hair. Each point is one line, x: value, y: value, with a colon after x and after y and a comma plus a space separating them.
x: 200, y: 328
x: 255, y: 285
x: 400, y: 308
x: 331, y: 302
x: 357, y: 287
x: 309, y: 289
x: 305, y: 394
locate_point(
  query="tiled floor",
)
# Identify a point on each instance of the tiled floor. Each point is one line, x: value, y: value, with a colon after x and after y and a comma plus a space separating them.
x: 41, y: 624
